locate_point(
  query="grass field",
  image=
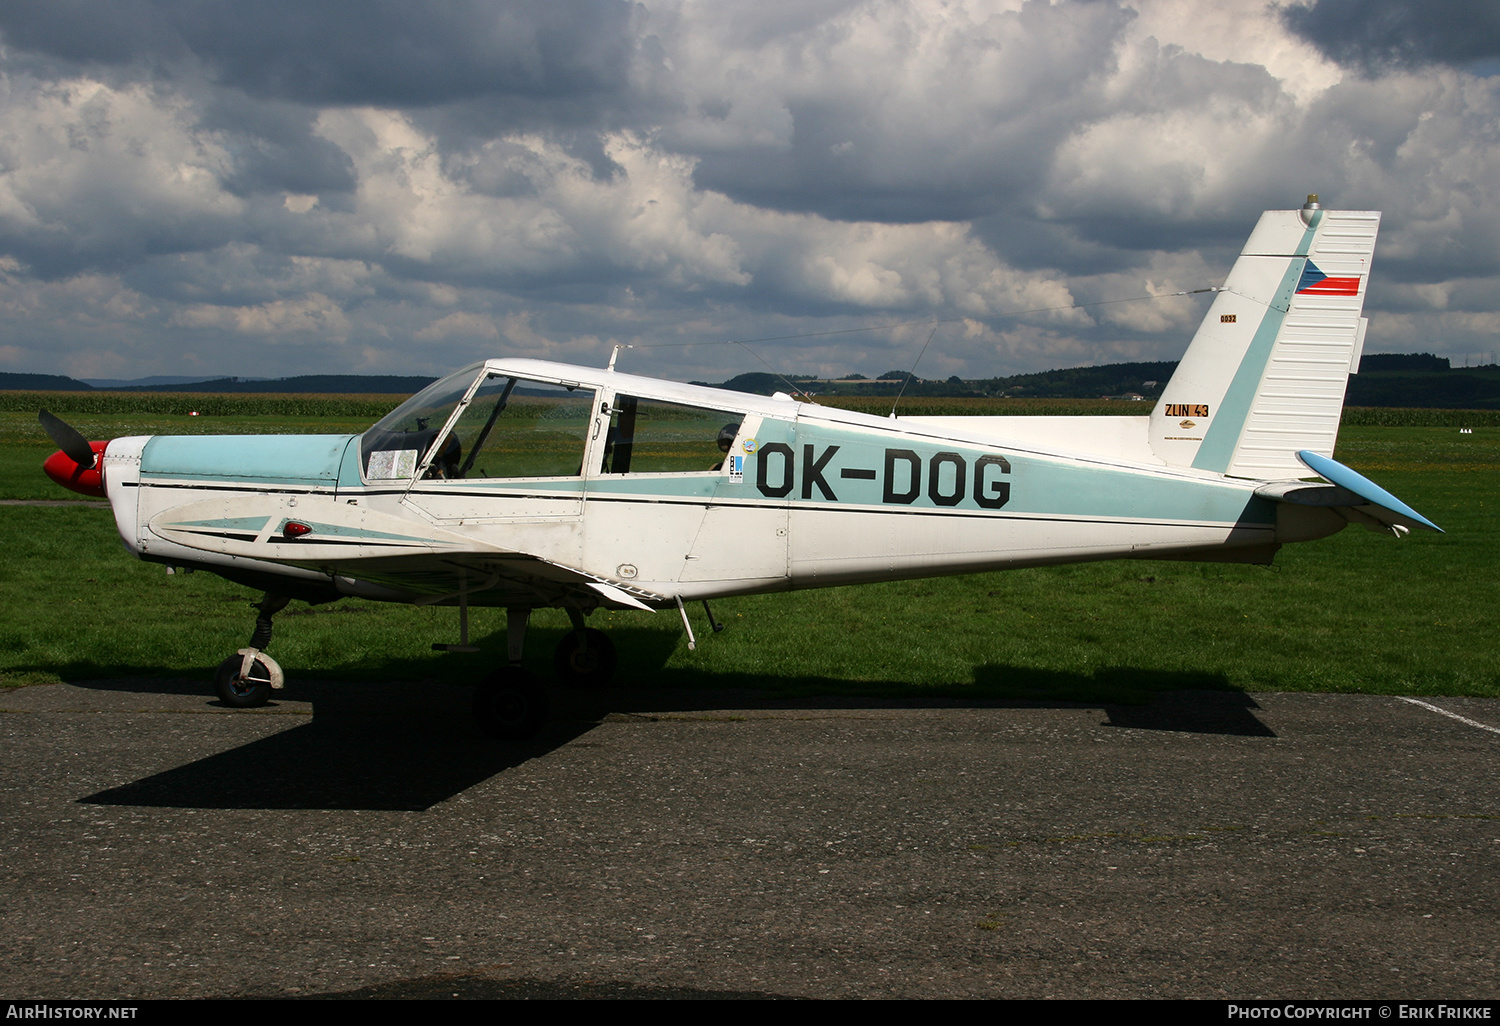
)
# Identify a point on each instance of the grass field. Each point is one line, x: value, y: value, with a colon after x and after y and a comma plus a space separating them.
x: 1355, y: 612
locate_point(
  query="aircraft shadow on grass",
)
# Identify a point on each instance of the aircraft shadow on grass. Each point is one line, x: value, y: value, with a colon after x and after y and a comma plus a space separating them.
x: 406, y: 744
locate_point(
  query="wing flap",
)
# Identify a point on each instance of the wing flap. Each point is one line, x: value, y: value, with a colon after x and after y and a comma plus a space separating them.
x: 496, y: 579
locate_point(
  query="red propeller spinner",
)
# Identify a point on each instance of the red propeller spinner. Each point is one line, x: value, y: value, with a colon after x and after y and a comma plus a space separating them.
x: 79, y: 466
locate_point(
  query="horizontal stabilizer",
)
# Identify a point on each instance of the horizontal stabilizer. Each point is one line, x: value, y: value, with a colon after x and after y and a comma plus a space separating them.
x: 1350, y: 491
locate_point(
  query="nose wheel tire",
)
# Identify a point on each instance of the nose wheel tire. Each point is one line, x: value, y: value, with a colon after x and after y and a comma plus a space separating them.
x: 243, y: 690
x: 510, y: 705
x: 585, y: 658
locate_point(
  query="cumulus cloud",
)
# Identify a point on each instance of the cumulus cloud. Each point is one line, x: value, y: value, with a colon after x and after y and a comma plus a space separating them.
x: 382, y: 52
x: 406, y: 187
x: 888, y: 111
x: 1377, y: 34
x: 316, y: 316
x: 101, y: 177
x: 461, y: 324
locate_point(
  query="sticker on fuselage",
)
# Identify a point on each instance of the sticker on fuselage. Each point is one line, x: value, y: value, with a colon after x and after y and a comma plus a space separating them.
x: 1199, y: 410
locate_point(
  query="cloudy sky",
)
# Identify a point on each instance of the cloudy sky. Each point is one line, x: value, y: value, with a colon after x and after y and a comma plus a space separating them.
x: 199, y: 187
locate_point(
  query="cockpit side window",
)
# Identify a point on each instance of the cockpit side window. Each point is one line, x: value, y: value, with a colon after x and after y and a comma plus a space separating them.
x: 530, y: 429
x: 648, y: 436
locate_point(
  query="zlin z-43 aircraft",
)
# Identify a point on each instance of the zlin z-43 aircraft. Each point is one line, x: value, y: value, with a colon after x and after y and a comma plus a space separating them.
x: 526, y: 484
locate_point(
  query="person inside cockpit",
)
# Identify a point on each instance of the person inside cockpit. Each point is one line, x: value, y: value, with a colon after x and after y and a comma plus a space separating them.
x: 727, y: 434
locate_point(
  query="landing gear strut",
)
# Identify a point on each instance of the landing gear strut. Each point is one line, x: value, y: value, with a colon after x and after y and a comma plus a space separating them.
x: 585, y: 657
x: 510, y: 703
x: 247, y: 678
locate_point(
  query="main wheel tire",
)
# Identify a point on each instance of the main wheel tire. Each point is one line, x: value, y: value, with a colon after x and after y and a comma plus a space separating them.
x: 242, y: 692
x: 510, y: 705
x: 585, y: 658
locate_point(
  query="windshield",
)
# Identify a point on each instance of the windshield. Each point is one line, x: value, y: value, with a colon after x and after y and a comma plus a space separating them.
x: 506, y: 427
x: 398, y: 444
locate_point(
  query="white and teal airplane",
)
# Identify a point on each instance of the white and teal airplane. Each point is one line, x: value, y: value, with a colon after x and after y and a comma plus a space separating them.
x: 527, y: 484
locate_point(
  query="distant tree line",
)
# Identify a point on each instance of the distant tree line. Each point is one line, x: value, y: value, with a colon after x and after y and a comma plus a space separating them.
x: 1402, y: 362
x: 1117, y: 380
x: 1406, y: 380
x: 321, y: 384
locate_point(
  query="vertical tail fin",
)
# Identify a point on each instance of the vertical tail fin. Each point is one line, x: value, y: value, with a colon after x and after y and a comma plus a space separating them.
x: 1265, y: 375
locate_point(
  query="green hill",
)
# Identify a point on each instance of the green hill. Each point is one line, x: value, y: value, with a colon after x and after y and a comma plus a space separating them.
x: 1415, y: 380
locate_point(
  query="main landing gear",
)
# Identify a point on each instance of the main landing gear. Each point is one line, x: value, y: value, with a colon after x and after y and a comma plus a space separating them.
x: 510, y: 703
x: 247, y: 678
x: 585, y: 657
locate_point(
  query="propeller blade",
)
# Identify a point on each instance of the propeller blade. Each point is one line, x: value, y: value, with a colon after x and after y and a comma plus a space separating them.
x: 68, y: 440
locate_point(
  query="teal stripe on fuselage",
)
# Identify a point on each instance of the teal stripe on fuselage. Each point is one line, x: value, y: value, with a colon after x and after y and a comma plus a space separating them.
x: 564, y: 486
x: 251, y: 459
x: 250, y: 525
x: 1035, y: 485
x: 677, y: 486
x: 321, y: 530
x: 349, y: 469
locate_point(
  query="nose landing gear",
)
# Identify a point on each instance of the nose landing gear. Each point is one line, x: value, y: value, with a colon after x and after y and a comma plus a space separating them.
x: 247, y: 678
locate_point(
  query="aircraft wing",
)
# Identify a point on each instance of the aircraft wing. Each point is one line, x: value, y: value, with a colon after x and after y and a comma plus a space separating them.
x: 1352, y: 494
x: 405, y: 558
x: 491, y: 578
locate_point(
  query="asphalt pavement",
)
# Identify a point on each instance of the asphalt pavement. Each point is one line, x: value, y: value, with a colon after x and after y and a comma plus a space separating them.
x: 365, y: 841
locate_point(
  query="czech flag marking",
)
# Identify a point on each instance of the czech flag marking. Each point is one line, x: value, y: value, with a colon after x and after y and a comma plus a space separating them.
x: 1315, y: 283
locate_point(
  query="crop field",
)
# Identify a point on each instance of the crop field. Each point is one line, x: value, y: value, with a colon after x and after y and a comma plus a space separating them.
x: 1357, y: 612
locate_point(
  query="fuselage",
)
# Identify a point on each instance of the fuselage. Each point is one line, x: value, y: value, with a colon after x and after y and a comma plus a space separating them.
x: 538, y: 470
